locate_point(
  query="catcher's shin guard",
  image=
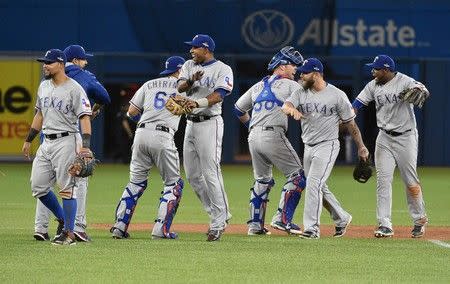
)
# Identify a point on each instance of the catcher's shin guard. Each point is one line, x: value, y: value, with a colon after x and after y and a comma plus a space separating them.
x: 168, y: 205
x: 258, y: 201
x: 290, y: 196
x: 127, y: 204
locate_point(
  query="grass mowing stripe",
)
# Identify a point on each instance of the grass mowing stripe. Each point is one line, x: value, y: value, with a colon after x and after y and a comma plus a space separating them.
x: 440, y: 243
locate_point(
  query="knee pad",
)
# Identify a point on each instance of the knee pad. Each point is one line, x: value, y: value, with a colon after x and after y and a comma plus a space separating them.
x: 168, y: 205
x: 127, y: 204
x: 258, y: 200
x: 290, y: 196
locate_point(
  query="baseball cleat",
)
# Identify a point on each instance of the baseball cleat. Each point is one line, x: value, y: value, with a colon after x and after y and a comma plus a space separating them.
x: 340, y: 231
x: 64, y: 239
x: 418, y: 231
x: 170, y: 236
x: 255, y: 232
x: 59, y: 229
x: 289, y: 228
x: 309, y: 235
x: 214, y: 235
x: 119, y: 234
x: 41, y: 236
x: 383, y: 232
x: 81, y: 237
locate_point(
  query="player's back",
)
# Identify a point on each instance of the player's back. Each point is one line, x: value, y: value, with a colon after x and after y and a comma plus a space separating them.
x: 267, y: 97
x: 151, y: 98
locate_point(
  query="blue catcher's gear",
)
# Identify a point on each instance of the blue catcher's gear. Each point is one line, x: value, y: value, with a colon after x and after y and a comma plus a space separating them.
x: 258, y: 203
x: 290, y: 196
x: 169, y: 201
x: 127, y: 204
x: 287, y: 55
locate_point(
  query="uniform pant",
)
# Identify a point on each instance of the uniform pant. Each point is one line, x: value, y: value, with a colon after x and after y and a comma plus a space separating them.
x: 319, y: 161
x: 202, y: 154
x: 43, y: 214
x: 401, y: 151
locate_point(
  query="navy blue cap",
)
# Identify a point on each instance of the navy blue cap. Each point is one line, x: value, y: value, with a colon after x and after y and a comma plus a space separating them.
x: 382, y: 62
x: 76, y: 52
x: 202, y: 41
x: 311, y: 65
x: 53, y: 55
x: 173, y: 64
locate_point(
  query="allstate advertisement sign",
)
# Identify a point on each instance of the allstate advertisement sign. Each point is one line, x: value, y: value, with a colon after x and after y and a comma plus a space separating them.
x: 269, y: 30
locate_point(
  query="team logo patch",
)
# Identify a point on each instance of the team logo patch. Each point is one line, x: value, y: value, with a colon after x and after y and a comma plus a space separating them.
x: 229, y: 83
x: 85, y: 103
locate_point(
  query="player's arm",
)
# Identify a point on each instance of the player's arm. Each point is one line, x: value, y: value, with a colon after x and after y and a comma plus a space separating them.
x: 185, y: 85
x: 101, y: 97
x: 289, y: 109
x: 353, y: 129
x: 85, y: 126
x: 243, y: 116
x: 35, y: 128
x: 134, y: 113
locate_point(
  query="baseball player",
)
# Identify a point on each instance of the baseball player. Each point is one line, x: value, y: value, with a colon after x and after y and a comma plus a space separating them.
x: 321, y: 107
x: 207, y: 81
x: 98, y: 97
x: 153, y: 146
x: 269, y: 145
x: 396, y: 144
x: 61, y: 103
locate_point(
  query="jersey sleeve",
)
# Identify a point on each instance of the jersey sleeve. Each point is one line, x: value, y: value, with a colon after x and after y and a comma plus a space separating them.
x: 38, y: 105
x: 294, y: 98
x: 138, y: 99
x: 244, y: 103
x: 344, y: 108
x: 225, y: 79
x: 184, y: 72
x: 367, y: 94
x: 81, y: 104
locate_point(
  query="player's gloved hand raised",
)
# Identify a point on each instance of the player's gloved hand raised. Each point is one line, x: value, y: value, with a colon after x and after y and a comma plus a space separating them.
x: 415, y: 96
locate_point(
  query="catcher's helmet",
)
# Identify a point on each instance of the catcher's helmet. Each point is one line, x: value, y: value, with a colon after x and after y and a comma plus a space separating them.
x: 287, y: 55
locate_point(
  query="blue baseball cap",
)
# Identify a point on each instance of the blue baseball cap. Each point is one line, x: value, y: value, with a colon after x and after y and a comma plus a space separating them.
x: 382, y: 62
x: 53, y: 55
x: 173, y: 64
x: 202, y: 41
x: 311, y: 65
x: 76, y: 51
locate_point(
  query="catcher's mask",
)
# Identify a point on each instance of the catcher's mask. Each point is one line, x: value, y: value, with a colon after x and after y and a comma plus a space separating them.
x: 287, y: 55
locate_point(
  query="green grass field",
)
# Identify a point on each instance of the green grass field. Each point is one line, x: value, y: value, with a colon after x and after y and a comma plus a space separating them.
x: 236, y: 258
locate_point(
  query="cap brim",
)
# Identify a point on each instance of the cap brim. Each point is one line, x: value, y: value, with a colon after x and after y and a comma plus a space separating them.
x: 89, y: 55
x: 167, y: 72
x: 45, y: 60
x: 192, y: 44
x: 302, y: 70
x: 370, y: 65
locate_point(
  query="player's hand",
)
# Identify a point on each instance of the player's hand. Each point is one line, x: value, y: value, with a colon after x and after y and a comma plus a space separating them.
x: 95, y: 114
x: 26, y: 149
x: 197, y: 76
x: 363, y: 153
x: 294, y: 113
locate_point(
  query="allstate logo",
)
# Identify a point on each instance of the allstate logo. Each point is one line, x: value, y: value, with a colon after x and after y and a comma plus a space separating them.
x: 267, y: 30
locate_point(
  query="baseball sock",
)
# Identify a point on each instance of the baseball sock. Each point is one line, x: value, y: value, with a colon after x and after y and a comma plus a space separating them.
x: 51, y: 202
x: 70, y: 210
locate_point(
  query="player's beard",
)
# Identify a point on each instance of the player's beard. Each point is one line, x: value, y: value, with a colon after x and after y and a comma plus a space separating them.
x: 48, y: 76
x: 307, y: 84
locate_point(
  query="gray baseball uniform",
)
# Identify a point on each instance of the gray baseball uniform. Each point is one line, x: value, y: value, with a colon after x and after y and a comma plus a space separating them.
x: 61, y: 106
x: 270, y: 147
x: 202, y: 148
x: 153, y: 146
x: 323, y: 111
x: 396, y: 144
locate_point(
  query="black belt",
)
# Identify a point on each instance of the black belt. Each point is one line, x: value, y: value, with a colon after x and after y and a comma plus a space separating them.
x: 198, y: 118
x: 56, y: 135
x: 157, y: 127
x: 395, y: 134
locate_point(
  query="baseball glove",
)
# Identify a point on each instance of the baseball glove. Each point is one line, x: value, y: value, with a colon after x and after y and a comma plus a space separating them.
x: 179, y: 105
x: 83, y: 164
x: 363, y: 171
x: 415, y: 96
